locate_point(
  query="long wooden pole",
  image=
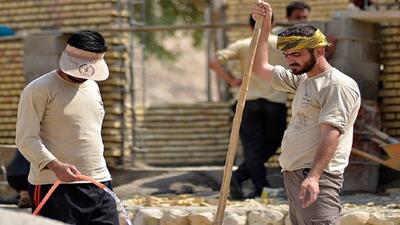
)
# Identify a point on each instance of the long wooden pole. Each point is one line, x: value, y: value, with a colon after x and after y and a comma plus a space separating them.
x: 230, y: 157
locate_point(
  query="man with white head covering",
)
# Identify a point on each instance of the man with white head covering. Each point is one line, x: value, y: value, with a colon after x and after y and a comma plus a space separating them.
x: 59, y: 125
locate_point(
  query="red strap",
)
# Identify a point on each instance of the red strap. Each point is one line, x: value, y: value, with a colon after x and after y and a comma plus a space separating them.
x: 34, y: 195
x: 53, y: 188
x: 38, y: 194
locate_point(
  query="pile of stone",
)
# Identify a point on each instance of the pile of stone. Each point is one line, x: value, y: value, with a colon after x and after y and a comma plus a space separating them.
x: 178, y: 211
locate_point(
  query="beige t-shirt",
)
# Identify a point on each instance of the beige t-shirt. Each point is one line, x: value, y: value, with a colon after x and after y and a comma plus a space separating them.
x: 61, y: 120
x: 258, y: 88
x: 330, y: 97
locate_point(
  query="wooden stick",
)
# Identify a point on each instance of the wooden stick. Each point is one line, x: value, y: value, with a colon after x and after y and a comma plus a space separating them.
x: 385, y: 137
x: 368, y: 156
x: 230, y: 157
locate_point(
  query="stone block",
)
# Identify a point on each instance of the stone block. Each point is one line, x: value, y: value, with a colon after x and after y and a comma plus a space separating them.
x: 234, y: 219
x: 45, y: 43
x: 148, y: 217
x: 348, y: 28
x: 202, y: 218
x: 357, y: 69
x: 270, y: 217
x: 384, y: 217
x: 357, y: 50
x: 38, y: 65
x: 175, y: 217
x: 21, y: 218
x: 42, y: 53
x: 354, y: 218
x: 287, y: 220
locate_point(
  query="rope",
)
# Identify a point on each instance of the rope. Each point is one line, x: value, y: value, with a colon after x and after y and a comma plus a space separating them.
x: 57, y: 183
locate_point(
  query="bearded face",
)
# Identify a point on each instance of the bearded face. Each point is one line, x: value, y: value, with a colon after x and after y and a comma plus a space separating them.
x: 300, y: 62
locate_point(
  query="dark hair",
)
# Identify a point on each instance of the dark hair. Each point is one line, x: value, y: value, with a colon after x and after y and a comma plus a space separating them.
x: 252, y: 22
x: 361, y: 4
x: 88, y: 40
x: 296, y: 6
x: 304, y: 30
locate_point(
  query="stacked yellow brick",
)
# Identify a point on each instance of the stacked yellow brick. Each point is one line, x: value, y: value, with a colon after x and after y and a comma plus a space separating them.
x: 183, y: 134
x: 33, y: 16
x: 11, y: 84
x: 239, y: 10
x: 390, y: 79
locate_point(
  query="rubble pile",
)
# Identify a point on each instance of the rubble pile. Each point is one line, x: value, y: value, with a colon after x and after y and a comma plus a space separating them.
x: 189, y: 210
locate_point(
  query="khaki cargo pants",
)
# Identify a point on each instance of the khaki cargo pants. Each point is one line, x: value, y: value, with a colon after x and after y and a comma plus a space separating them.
x: 325, y: 210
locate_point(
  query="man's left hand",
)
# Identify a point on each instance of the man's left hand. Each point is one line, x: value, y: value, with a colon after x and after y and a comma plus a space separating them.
x: 309, y: 191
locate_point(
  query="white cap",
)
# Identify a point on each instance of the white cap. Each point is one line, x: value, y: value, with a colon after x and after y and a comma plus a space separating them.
x: 83, y: 64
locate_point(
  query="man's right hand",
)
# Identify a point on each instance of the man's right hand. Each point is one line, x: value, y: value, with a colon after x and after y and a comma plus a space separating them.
x: 262, y: 9
x: 64, y: 172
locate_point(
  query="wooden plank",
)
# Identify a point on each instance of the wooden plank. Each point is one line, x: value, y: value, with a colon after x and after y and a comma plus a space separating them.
x: 184, y: 155
x: 183, y: 130
x: 183, y: 118
x: 166, y: 124
x: 203, y: 142
x: 7, y: 132
x: 184, y: 111
x: 389, y: 116
x: 392, y: 69
x: 389, y: 93
x: 60, y: 16
x: 189, y: 136
x: 391, y: 108
x: 58, y: 9
x: 46, y: 3
x: 392, y: 124
x: 389, y: 77
x: 179, y: 149
x: 202, y: 105
x: 8, y: 113
x: 7, y: 140
x: 391, y: 101
x: 185, y: 161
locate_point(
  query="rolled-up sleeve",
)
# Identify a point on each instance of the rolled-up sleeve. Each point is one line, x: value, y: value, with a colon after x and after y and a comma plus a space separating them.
x: 31, y: 108
x: 337, y: 101
x: 229, y: 53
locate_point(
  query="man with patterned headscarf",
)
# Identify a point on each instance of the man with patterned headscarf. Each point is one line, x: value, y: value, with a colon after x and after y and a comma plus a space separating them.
x: 317, y: 143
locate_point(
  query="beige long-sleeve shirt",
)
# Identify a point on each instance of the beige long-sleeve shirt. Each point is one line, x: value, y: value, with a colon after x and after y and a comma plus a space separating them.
x: 61, y: 120
x: 258, y: 88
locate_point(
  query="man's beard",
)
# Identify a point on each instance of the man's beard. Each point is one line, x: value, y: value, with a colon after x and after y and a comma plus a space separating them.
x: 307, y: 67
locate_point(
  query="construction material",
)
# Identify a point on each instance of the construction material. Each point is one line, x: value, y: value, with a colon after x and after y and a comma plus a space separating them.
x: 394, y: 156
x: 252, y: 212
x: 390, y: 78
x: 12, y: 83
x: 182, y: 134
x: 234, y: 138
x: 375, y: 16
x: 22, y: 218
x: 389, y: 144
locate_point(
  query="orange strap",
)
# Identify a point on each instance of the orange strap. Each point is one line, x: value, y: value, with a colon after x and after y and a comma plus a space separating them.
x: 58, y: 182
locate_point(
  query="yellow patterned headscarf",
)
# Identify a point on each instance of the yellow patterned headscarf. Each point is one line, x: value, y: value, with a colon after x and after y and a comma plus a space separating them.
x: 297, y: 43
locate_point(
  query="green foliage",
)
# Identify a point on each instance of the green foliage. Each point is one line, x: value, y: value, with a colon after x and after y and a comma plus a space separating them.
x: 169, y: 12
